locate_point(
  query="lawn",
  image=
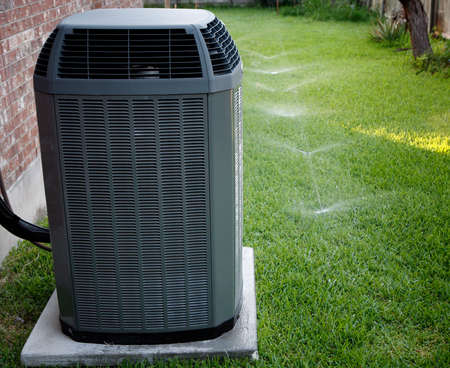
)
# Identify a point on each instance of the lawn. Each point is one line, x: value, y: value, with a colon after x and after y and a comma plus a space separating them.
x: 346, y: 171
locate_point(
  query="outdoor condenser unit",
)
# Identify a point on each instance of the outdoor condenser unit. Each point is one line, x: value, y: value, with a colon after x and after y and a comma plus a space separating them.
x: 140, y: 121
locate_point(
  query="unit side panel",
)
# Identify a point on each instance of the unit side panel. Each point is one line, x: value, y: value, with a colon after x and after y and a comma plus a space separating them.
x: 222, y: 187
x: 135, y: 171
x: 55, y: 205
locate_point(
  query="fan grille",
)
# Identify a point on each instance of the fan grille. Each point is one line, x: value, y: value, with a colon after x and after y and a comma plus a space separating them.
x: 129, y: 54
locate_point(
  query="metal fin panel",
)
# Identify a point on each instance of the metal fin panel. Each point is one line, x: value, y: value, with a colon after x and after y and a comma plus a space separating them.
x: 238, y: 191
x: 136, y: 196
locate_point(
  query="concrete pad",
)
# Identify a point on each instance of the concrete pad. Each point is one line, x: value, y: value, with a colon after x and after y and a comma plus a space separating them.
x: 48, y: 346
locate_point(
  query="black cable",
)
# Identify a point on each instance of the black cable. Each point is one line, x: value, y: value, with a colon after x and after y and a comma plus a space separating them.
x: 21, y: 228
x: 41, y: 246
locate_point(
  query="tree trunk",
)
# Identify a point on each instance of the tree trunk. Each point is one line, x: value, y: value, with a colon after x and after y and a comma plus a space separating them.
x: 418, y: 26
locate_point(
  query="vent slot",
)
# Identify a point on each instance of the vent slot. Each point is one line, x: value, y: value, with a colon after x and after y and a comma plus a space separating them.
x: 129, y: 54
x: 44, y: 55
x: 222, y: 49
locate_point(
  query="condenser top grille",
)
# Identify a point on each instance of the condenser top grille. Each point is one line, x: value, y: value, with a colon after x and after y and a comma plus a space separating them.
x: 140, y: 52
x: 44, y: 56
x: 129, y: 54
x: 222, y: 49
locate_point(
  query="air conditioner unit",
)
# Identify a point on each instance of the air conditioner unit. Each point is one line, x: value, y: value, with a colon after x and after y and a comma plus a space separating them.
x: 140, y: 122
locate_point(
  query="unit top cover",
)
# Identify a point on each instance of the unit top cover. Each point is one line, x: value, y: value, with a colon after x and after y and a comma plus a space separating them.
x: 139, y: 18
x: 138, y: 52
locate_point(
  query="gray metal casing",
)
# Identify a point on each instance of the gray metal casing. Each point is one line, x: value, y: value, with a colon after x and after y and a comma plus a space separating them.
x: 141, y: 244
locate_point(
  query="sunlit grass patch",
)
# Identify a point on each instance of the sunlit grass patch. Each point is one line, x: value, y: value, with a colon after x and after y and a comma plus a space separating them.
x: 429, y: 141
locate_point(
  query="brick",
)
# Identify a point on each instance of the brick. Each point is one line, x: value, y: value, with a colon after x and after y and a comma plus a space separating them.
x: 17, y: 54
x: 17, y: 80
x: 11, y: 169
x: 19, y: 67
x: 46, y: 15
x: 16, y: 114
x: 3, y: 119
x: 16, y: 27
x: 9, y: 125
x: 3, y: 20
x: 26, y: 162
x: 38, y: 19
x: 7, y: 142
x: 50, y: 26
x: 28, y: 128
x: 11, y: 154
x: 20, y: 3
x: 21, y: 156
x: 48, y: 4
x: 29, y: 72
x: 52, y: 13
x: 2, y: 106
x: 36, y: 45
x: 12, y: 83
x: 21, y: 90
x: 6, y: 5
x: 57, y: 3
x: 34, y: 129
x: 18, y: 134
x: 18, y: 13
x: 3, y: 75
x: 29, y: 149
x: 41, y: 6
x: 17, y: 40
x: 96, y: 4
x: 23, y: 146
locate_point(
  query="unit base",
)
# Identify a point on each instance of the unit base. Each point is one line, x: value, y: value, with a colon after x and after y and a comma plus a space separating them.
x: 48, y: 346
x: 150, y: 338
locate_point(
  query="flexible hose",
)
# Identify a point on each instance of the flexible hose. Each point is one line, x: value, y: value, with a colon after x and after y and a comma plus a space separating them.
x: 19, y: 227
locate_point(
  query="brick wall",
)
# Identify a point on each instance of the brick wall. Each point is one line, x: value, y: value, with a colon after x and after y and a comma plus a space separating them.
x: 25, y: 25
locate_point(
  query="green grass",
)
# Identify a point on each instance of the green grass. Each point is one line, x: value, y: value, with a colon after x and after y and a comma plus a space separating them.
x: 351, y: 241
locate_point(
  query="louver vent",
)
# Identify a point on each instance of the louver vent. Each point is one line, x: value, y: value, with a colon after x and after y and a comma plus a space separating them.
x: 149, y: 223
x: 222, y: 49
x: 44, y: 56
x: 129, y: 54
